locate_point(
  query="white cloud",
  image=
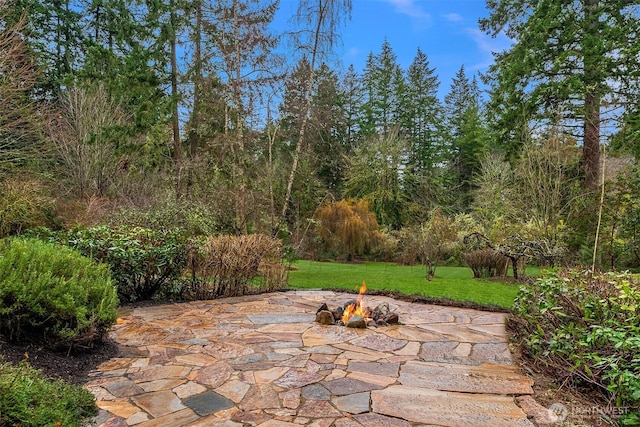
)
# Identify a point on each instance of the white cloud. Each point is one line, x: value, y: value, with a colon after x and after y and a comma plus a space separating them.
x: 453, y: 17
x: 410, y: 8
x: 487, y: 45
x: 352, y: 52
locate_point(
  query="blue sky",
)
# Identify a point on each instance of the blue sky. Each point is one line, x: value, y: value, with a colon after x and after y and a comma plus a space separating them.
x: 446, y: 30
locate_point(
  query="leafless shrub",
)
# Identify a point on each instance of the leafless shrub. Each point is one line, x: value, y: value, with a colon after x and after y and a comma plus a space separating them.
x: 486, y: 263
x: 224, y: 266
x: 24, y: 204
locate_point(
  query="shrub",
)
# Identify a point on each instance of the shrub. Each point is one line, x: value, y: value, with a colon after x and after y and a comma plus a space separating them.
x: 227, y: 265
x: 486, y: 263
x: 428, y: 243
x: 386, y: 246
x: 29, y: 399
x: 142, y: 261
x: 23, y: 205
x: 195, y: 218
x: 54, y: 295
x: 585, y: 328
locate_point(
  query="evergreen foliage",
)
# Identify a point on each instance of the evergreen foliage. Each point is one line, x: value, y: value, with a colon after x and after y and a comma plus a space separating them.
x: 142, y: 261
x: 29, y: 399
x: 52, y: 295
x: 377, y: 173
x: 568, y: 62
x: 467, y: 139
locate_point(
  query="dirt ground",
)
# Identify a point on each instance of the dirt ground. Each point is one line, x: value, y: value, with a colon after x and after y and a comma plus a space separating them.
x: 72, y: 368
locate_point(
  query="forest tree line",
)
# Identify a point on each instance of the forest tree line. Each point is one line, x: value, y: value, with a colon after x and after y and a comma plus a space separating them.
x: 187, y: 112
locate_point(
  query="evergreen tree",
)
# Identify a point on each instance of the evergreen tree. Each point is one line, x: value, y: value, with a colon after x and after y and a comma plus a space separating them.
x: 377, y: 172
x: 367, y: 120
x: 463, y: 94
x: 127, y: 53
x: 569, y: 58
x: 54, y: 33
x: 422, y: 115
x: 467, y: 139
x: 383, y: 82
x: 327, y: 128
x: 353, y: 94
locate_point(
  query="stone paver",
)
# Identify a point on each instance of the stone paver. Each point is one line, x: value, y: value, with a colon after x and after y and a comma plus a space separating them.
x: 446, y: 408
x: 486, y: 378
x: 262, y: 360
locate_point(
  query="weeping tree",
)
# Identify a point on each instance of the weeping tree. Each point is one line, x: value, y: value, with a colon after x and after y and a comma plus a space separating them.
x: 347, y: 227
x: 580, y: 58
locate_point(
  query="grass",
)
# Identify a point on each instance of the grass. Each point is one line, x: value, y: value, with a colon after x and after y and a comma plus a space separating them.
x: 454, y: 283
x: 29, y: 399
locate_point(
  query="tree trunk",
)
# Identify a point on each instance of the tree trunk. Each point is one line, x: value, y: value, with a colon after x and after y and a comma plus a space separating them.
x: 591, y: 142
x: 305, y: 113
x: 239, y: 175
x: 197, y: 83
x: 194, y: 132
x: 175, y: 124
x: 514, y: 265
x: 592, y: 99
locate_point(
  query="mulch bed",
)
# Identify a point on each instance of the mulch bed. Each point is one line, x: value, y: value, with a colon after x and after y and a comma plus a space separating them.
x: 73, y: 368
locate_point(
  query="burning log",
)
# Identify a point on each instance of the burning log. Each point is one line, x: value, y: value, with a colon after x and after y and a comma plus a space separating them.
x: 355, y: 314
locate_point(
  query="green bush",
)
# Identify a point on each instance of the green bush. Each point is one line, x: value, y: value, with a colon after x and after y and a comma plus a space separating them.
x: 29, y: 399
x: 585, y: 328
x: 54, y: 295
x: 142, y: 261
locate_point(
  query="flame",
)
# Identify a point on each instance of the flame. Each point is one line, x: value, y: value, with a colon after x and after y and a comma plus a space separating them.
x: 356, y: 309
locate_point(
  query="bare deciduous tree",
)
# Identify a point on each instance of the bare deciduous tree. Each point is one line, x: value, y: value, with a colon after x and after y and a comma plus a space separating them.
x: 246, y: 63
x: 82, y: 140
x: 21, y: 117
x: 320, y: 20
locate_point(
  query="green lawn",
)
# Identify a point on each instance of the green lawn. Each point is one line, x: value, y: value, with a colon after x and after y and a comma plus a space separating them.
x: 455, y: 283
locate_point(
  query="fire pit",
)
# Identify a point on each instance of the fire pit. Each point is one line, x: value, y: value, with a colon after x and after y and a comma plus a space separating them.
x: 354, y: 314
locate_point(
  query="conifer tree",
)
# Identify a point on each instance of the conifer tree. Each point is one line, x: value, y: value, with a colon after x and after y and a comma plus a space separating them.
x: 353, y: 95
x: 467, y: 138
x: 383, y: 82
x: 54, y: 33
x: 422, y: 115
x: 577, y: 59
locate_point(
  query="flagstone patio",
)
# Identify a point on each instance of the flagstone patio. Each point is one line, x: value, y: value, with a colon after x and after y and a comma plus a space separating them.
x: 262, y: 360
